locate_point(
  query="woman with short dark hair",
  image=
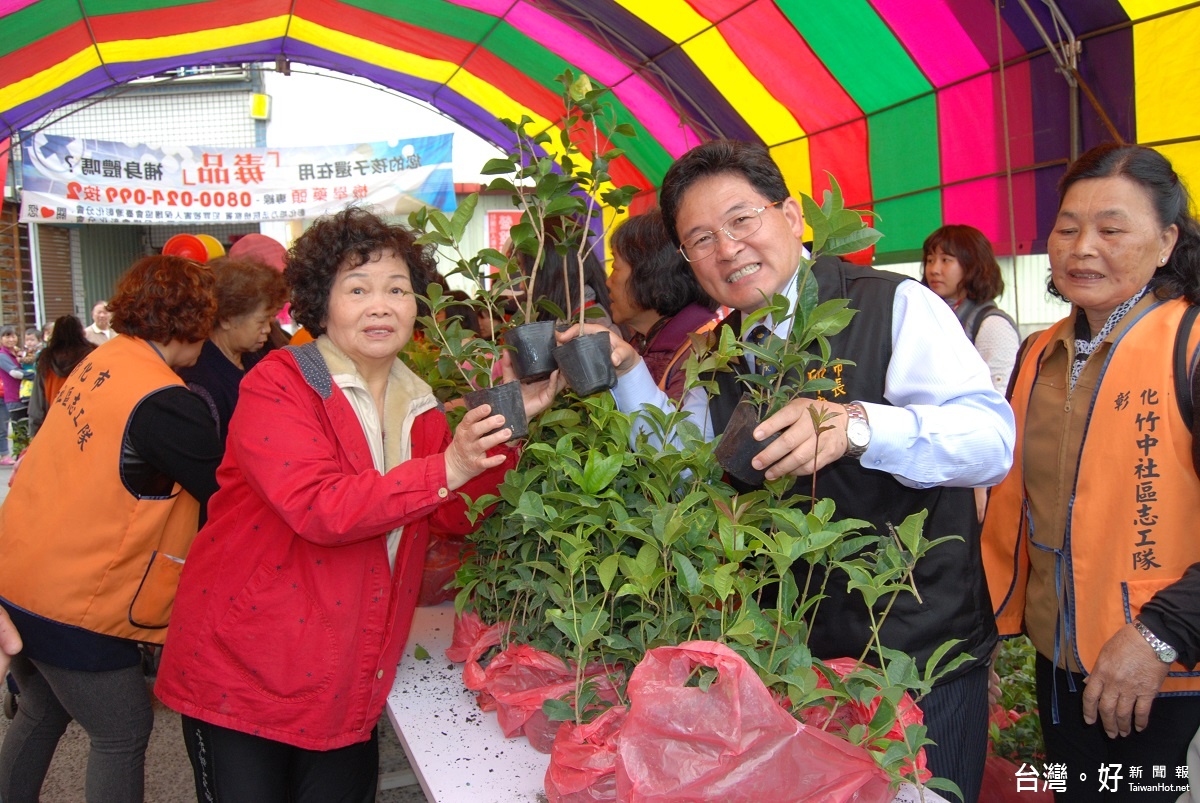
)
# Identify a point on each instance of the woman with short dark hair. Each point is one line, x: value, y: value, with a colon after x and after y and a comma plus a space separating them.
x: 961, y: 268
x: 249, y: 295
x: 95, y: 529
x: 1089, y: 542
x: 655, y: 293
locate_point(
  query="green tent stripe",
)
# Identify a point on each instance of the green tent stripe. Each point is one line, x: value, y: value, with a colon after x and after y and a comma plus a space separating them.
x: 906, y: 222
x: 859, y: 49
x: 38, y: 21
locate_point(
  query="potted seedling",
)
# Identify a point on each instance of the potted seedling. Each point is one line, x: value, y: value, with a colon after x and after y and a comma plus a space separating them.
x: 462, y: 353
x: 560, y: 199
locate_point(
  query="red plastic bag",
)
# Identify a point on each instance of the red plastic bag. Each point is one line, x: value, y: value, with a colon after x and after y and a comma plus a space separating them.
x: 443, y: 558
x: 521, y: 678
x: 583, y: 762
x: 851, y: 713
x: 471, y: 639
x: 731, y: 742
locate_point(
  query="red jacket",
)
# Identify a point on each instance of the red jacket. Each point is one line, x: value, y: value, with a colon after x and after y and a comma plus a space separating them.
x: 288, y: 623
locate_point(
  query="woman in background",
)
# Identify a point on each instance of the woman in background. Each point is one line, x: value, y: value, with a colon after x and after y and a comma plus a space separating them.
x: 249, y: 296
x: 961, y: 268
x: 557, y: 281
x: 655, y: 293
x: 11, y: 375
x: 68, y: 345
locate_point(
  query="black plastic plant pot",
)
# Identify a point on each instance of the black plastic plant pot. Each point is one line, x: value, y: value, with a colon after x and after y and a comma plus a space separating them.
x: 533, y: 347
x: 738, y: 447
x: 506, y: 401
x: 586, y: 362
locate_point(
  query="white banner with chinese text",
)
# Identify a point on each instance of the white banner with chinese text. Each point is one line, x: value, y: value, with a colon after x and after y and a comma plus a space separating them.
x: 69, y: 180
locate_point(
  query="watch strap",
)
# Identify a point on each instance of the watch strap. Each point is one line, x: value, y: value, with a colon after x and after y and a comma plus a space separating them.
x: 856, y: 413
x: 1165, y: 652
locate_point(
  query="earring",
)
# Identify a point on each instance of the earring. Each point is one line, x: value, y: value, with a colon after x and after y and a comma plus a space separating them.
x: 1162, y: 261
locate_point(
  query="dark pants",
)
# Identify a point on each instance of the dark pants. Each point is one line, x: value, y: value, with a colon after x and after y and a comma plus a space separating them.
x: 112, y: 706
x: 232, y: 767
x: 1084, y: 748
x: 956, y: 716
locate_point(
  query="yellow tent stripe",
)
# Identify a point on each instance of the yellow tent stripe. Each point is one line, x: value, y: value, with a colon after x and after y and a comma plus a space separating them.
x: 131, y: 50
x: 769, y: 118
x: 48, y: 80
x: 1137, y: 9
x: 1164, y: 69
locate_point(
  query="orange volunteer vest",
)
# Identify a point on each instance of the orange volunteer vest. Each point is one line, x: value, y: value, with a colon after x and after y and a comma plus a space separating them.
x: 78, y: 547
x: 1136, y: 492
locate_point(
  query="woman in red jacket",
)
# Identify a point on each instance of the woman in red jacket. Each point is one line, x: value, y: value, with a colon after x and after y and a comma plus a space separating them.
x: 296, y: 600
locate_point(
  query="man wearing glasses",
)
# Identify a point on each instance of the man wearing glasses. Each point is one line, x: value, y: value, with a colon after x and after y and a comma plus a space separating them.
x: 918, y: 427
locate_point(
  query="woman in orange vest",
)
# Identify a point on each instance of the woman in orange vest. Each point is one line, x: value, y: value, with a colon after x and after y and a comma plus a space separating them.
x: 655, y: 293
x: 1090, y: 541
x: 96, y: 527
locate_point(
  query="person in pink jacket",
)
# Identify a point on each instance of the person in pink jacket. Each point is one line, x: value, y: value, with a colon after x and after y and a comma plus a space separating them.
x: 296, y: 598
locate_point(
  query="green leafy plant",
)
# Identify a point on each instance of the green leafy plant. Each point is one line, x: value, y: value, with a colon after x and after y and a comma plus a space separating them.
x: 461, y: 353
x: 1020, y: 741
x: 561, y: 197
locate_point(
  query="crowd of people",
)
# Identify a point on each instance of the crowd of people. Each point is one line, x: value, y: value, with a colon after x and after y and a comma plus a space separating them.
x: 302, y: 484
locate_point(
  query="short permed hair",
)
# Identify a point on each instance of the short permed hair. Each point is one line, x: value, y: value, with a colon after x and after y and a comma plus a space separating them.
x: 243, y: 285
x: 981, y: 277
x: 659, y: 277
x: 348, y: 239
x: 751, y: 160
x: 164, y: 298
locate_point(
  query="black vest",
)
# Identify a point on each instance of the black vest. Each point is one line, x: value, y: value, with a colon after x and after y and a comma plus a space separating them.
x: 950, y: 578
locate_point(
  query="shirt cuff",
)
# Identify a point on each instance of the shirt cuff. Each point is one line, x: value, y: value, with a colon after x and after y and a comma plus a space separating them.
x: 634, y: 388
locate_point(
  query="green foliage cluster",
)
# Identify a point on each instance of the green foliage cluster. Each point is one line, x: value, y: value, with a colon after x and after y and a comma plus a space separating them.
x: 1021, y: 741
x: 598, y: 552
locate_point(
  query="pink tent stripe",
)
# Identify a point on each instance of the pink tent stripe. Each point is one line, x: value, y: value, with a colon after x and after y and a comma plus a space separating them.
x: 968, y: 119
x: 652, y: 111
x: 9, y: 6
x: 933, y: 37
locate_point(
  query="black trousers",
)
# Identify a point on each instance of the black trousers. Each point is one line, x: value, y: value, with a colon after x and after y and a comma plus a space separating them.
x: 234, y: 767
x: 956, y: 716
x: 1085, y: 748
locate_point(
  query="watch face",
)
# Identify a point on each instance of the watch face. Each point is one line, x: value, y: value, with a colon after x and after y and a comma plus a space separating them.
x: 1168, y: 655
x: 858, y: 433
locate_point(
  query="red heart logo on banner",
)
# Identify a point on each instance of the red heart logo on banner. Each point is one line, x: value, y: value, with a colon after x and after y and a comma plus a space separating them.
x: 47, y: 212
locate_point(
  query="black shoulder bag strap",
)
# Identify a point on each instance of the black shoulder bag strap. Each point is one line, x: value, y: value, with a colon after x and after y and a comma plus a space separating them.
x: 1183, y: 368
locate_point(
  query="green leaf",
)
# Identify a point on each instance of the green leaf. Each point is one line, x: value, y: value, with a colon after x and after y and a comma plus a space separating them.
x: 600, y: 471
x: 463, y: 215
x: 686, y: 576
x: 558, y: 710
x: 607, y: 570
x: 420, y: 653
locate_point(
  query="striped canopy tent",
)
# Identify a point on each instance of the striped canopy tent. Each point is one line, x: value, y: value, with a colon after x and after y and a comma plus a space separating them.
x: 926, y: 111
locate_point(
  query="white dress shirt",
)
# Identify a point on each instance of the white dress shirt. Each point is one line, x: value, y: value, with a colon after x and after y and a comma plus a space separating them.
x: 946, y: 423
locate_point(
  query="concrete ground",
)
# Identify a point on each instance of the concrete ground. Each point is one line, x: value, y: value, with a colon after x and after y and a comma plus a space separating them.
x: 168, y: 771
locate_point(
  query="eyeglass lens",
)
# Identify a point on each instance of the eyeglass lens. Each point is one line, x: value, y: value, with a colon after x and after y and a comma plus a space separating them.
x: 738, y: 227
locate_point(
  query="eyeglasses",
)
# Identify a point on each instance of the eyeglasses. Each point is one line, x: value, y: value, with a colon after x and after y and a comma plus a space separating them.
x: 738, y: 227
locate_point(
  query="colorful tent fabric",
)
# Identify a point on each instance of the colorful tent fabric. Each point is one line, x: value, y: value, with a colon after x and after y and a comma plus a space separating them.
x: 904, y: 101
